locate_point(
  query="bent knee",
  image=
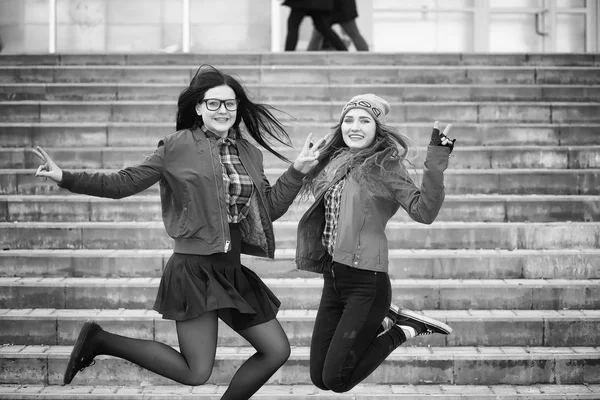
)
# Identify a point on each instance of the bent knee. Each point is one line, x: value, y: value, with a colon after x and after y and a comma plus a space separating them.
x: 281, y: 354
x: 198, y: 378
x: 336, y: 385
x: 317, y: 381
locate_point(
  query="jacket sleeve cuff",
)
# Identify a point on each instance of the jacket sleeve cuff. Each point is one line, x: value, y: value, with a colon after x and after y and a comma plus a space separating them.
x: 68, y: 180
x: 294, y: 174
x: 438, y: 151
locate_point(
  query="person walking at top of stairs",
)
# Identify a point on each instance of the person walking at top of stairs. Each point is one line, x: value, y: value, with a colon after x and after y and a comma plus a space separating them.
x: 320, y: 12
x: 216, y: 204
x: 345, y: 14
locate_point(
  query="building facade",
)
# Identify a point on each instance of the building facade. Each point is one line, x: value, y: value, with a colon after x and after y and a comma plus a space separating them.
x: 146, y: 26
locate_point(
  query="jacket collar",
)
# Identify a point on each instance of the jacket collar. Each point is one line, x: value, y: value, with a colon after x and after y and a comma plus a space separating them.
x: 228, y: 140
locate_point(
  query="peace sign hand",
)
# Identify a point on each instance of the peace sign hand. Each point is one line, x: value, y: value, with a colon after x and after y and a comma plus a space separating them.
x: 441, y: 138
x: 48, y: 169
x: 309, y: 156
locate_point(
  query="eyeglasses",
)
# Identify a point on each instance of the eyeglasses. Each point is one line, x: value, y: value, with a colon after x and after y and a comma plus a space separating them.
x: 215, y: 104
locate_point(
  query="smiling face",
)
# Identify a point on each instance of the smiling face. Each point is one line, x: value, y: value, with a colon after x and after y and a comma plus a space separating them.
x: 220, y: 121
x: 358, y: 129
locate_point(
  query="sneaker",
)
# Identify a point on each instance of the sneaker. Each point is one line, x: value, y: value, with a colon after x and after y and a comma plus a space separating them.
x: 419, y: 325
x: 81, y: 355
x: 385, y: 326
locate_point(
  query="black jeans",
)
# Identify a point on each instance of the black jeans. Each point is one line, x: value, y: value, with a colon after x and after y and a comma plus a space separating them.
x: 345, y: 348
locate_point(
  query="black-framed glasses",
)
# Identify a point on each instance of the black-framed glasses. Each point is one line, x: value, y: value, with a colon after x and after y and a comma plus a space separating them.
x: 215, y: 104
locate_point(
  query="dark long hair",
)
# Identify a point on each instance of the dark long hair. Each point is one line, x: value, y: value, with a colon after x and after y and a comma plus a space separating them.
x: 374, y: 167
x: 258, y: 119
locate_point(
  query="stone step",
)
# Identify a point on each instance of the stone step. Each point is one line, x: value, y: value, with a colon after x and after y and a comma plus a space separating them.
x: 465, y: 208
x: 401, y: 235
x: 464, y: 157
x: 300, y: 58
x: 510, y: 181
x: 315, y: 111
x: 404, y: 264
x: 548, y: 328
x: 298, y: 392
x: 304, y: 293
x: 406, y: 365
x: 322, y: 74
x: 298, y: 92
x: 119, y: 134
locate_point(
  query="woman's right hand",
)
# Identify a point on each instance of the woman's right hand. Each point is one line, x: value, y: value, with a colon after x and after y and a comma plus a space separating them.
x: 48, y: 169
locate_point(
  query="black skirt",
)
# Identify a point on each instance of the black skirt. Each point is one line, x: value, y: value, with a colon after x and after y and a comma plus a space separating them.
x: 193, y: 284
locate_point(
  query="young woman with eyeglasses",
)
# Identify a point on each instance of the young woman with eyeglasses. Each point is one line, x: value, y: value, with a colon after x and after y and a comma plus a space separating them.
x: 359, y: 184
x: 216, y: 204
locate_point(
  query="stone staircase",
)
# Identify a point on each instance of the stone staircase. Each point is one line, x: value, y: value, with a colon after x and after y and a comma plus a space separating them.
x: 512, y: 263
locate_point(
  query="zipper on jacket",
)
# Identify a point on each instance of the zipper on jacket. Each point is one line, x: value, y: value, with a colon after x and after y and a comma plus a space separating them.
x: 227, y: 242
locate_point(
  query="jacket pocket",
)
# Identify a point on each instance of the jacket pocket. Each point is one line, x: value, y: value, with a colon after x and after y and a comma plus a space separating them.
x: 183, y: 215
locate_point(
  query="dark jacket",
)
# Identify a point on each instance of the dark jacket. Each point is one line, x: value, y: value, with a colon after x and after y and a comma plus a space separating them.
x: 361, y: 241
x: 311, y: 5
x: 194, y: 211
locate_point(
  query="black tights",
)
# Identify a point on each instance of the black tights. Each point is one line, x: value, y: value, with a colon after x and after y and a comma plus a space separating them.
x: 321, y: 23
x: 198, y: 344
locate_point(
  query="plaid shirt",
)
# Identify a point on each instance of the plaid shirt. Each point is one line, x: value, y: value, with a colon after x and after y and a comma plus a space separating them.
x: 332, y: 199
x: 237, y: 182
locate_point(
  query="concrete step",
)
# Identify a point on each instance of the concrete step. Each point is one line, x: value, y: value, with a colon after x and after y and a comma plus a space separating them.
x: 108, y: 91
x: 303, y: 293
x: 292, y: 392
x: 406, y: 365
x: 314, y: 111
x: 286, y: 74
x: 548, y: 328
x: 300, y: 58
x: 123, y: 134
x: 465, y: 208
x: 404, y: 264
x: 464, y: 157
x: 456, y: 181
x: 401, y: 235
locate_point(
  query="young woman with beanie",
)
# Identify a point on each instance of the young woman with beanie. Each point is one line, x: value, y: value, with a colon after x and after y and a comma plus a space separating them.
x: 216, y: 204
x: 359, y: 183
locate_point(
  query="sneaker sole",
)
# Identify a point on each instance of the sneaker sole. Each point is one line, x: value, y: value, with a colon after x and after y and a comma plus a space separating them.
x: 85, y: 330
x: 434, y: 323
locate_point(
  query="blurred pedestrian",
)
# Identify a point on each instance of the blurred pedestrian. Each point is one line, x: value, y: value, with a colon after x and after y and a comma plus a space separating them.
x: 320, y: 12
x: 345, y: 14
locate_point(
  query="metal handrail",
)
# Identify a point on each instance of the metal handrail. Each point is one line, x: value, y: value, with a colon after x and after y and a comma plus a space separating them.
x: 539, y: 23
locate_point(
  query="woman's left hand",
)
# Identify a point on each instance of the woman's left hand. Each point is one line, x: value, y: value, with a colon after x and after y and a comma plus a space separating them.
x: 309, y: 156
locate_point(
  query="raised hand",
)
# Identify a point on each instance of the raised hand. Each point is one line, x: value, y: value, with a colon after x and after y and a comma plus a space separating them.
x: 48, y: 169
x: 309, y: 156
x: 441, y: 138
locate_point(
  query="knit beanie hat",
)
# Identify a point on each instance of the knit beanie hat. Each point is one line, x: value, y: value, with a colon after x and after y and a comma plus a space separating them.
x: 374, y: 105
